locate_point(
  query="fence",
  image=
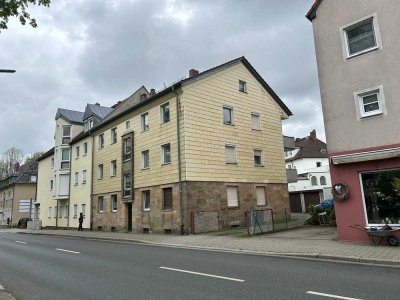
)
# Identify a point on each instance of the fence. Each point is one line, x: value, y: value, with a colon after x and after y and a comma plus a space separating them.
x: 259, y: 221
x: 205, y: 221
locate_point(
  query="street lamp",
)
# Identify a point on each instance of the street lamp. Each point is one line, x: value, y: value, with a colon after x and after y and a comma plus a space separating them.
x: 6, y: 71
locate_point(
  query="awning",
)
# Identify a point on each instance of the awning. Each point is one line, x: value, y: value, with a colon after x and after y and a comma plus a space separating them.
x: 365, y: 156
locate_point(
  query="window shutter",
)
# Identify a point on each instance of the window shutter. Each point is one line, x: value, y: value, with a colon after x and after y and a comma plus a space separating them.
x: 232, y: 195
x: 261, y: 199
x: 230, y: 154
x: 255, y: 121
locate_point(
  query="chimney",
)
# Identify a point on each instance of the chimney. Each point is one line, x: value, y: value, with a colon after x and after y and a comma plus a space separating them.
x: 193, y: 72
x: 116, y: 104
x: 97, y: 103
x: 313, y: 134
x: 152, y: 92
x: 143, y: 97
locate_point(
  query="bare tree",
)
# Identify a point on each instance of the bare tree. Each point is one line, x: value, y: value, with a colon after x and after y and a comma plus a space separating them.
x: 10, y: 161
x: 34, y: 156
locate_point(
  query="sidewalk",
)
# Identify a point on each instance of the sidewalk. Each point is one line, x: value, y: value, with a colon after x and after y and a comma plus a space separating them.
x: 310, y: 242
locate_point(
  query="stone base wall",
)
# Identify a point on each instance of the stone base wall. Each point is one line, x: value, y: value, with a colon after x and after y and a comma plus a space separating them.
x: 196, y: 196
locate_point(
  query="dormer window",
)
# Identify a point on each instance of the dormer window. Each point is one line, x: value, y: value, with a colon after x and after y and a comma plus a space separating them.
x: 66, y: 135
x: 88, y: 124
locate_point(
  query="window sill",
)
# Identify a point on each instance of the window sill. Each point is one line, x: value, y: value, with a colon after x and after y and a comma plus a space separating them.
x: 165, y: 164
x: 75, y: 184
x: 244, y: 92
x: 362, y: 52
x: 144, y: 130
x: 75, y: 217
x: 99, y: 178
x: 83, y: 182
x: 113, y: 143
x: 233, y: 207
x: 100, y: 212
x: 229, y: 124
x: 259, y: 166
x: 167, y: 210
x: 231, y: 163
x: 114, y: 211
x: 146, y: 210
x: 256, y: 129
x: 113, y: 175
x: 164, y: 123
x: 370, y: 115
x: 126, y: 160
x: 84, y: 154
x: 144, y: 169
x: 76, y: 158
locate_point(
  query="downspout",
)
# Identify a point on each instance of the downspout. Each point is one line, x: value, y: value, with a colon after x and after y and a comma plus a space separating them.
x: 91, y: 184
x: 69, y: 184
x: 12, y: 205
x: 57, y: 215
x: 178, y: 133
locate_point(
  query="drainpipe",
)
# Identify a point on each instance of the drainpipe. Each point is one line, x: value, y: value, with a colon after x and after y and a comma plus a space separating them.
x: 12, y: 206
x: 57, y: 215
x: 91, y: 185
x: 178, y: 133
x: 69, y: 184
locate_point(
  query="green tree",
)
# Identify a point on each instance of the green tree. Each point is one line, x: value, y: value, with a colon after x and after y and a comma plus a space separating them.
x: 34, y: 156
x: 17, y: 8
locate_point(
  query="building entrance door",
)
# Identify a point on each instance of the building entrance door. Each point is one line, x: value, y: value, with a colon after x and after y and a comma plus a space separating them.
x: 129, y: 217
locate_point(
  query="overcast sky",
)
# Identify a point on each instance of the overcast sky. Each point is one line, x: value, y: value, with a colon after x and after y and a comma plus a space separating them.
x: 102, y: 51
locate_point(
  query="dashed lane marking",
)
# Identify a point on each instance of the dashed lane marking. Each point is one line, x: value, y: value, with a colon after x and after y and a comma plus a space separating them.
x: 19, y: 242
x: 202, y: 274
x: 331, y: 296
x: 69, y: 251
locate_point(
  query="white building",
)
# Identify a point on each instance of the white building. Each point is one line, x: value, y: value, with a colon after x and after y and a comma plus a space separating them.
x: 313, y: 185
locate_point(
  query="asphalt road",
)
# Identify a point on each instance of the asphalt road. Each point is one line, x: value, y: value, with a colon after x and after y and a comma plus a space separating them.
x: 39, y: 267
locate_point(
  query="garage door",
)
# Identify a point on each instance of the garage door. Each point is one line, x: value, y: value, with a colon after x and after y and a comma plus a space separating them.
x: 295, y: 203
x: 311, y: 199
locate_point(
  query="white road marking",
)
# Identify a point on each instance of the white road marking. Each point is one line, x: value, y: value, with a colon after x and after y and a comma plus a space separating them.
x: 19, y: 242
x: 332, y: 296
x: 1, y: 287
x: 69, y: 251
x: 203, y: 274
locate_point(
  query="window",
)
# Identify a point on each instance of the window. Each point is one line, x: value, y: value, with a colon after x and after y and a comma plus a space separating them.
x: 166, y: 154
x: 66, y: 135
x: 77, y: 151
x: 88, y: 124
x: 113, y: 168
x: 255, y: 121
x: 101, y: 141
x: 100, y: 171
x: 64, y: 159
x: 230, y: 154
x: 61, y: 211
x: 228, y: 115
x: 49, y: 212
x: 322, y: 180
x: 33, y: 178
x: 75, y: 210
x: 167, y: 199
x: 258, y: 160
x: 101, y: 204
x: 242, y: 86
x: 146, y: 200
x: 55, y: 212
x: 52, y: 162
x: 360, y: 37
x: 127, y: 185
x: 145, y: 159
x: 85, y: 148
x: 51, y: 184
x: 261, y: 198
x: 114, y: 135
x: 128, y: 124
x: 381, y: 196
x: 232, y: 196
x: 145, y: 121
x: 127, y: 148
x: 66, y: 215
x: 76, y: 178
x: 370, y: 101
x: 24, y: 206
x: 84, y: 176
x: 84, y: 210
x: 114, y: 203
x: 164, y: 110
x: 318, y: 164
x: 314, y: 180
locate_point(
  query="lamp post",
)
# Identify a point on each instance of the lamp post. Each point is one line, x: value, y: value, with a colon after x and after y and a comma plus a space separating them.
x: 6, y: 71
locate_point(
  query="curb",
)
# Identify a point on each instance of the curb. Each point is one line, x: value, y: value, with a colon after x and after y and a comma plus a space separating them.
x: 313, y: 256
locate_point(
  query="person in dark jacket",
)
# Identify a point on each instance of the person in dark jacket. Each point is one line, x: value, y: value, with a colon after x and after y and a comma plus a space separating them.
x: 80, y: 222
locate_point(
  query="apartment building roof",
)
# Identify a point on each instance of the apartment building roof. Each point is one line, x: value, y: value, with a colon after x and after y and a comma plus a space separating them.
x: 71, y: 116
x: 309, y: 147
x: 115, y: 115
x: 46, y: 154
x: 80, y: 136
x: 312, y: 12
x: 23, y: 175
x: 96, y: 109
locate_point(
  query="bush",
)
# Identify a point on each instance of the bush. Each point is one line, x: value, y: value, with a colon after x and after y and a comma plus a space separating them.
x: 330, y: 217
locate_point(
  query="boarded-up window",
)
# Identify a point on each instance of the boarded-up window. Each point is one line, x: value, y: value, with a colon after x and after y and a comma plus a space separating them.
x: 230, y: 154
x: 261, y: 198
x: 24, y: 205
x: 232, y: 196
x: 255, y: 121
x: 167, y: 198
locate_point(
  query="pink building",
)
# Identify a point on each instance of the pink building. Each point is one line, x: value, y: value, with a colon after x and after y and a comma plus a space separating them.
x: 357, y: 48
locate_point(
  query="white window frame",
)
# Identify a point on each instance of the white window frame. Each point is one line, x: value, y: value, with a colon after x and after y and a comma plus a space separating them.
x: 77, y: 152
x: 230, y: 108
x: 358, y: 99
x: 235, y: 153
x: 143, y: 160
x: 113, y: 168
x: 76, y: 178
x: 163, y: 148
x: 352, y: 25
x: 55, y: 212
x: 85, y: 148
x: 145, y: 126
x: 51, y: 184
x: 126, y: 153
x: 125, y: 189
x: 83, y: 176
x: 254, y: 114
x: 83, y: 210
x: 127, y: 124
x: 101, y: 141
x: 114, y: 208
x: 68, y: 137
x: 113, y: 135
x: 148, y: 208
x: 60, y: 211
x: 49, y: 212
x: 162, y: 110
x: 100, y: 175
x: 75, y: 211
x: 65, y: 161
x: 261, y: 155
x: 265, y: 196
x: 102, y: 204
x: 229, y: 203
x: 242, y: 86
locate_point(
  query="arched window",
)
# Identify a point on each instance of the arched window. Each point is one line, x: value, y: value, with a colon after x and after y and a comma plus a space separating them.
x: 314, y: 180
x: 322, y: 180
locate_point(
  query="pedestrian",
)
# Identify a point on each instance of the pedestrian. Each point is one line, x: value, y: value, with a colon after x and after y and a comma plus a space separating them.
x: 80, y: 222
